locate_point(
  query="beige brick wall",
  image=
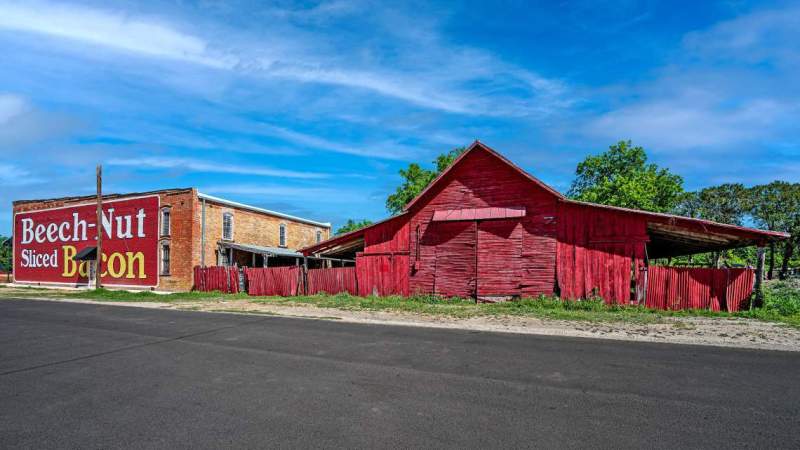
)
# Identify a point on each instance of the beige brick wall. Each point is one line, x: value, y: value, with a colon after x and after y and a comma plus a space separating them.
x: 250, y: 227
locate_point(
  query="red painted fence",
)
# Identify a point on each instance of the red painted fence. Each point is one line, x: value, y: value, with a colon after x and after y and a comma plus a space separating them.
x: 332, y: 281
x: 699, y: 288
x: 223, y: 279
x: 670, y: 288
x: 283, y: 281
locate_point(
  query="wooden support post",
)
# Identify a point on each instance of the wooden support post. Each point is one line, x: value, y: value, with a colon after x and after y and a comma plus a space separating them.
x: 758, y: 288
x: 99, y: 263
x: 305, y: 275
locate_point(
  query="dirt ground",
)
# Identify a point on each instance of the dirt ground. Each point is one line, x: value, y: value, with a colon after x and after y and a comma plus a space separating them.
x: 715, y: 331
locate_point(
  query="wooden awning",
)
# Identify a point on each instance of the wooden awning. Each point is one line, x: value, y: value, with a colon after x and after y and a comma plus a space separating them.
x: 450, y: 215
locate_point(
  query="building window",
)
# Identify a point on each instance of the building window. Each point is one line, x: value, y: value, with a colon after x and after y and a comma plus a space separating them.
x: 282, y: 235
x: 165, y: 259
x: 227, y: 226
x: 319, y: 236
x: 166, y: 216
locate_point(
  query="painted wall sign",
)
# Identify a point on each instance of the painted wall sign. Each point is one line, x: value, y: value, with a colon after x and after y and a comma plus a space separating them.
x: 46, y: 241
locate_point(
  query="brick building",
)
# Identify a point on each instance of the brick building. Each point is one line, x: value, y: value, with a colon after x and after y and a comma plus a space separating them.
x: 152, y: 239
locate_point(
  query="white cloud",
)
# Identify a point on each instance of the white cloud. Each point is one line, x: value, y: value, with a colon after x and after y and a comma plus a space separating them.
x: 769, y: 35
x: 421, y: 69
x: 211, y: 167
x: 689, y: 122
x: 386, y: 150
x: 116, y: 30
x: 731, y: 89
x: 11, y: 106
x: 11, y: 175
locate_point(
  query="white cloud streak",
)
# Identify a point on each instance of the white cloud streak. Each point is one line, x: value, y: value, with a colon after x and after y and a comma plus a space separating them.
x: 116, y: 30
x: 11, y: 106
x: 195, y: 165
x: 429, y: 73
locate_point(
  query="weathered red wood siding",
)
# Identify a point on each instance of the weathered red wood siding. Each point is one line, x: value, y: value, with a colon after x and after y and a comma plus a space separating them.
x: 382, y: 274
x: 482, y: 180
x: 215, y: 278
x: 382, y: 268
x: 597, y: 252
x: 332, y: 280
x: 283, y: 281
x: 500, y: 258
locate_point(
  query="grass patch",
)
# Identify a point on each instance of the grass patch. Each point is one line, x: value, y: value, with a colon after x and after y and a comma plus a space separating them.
x: 782, y: 304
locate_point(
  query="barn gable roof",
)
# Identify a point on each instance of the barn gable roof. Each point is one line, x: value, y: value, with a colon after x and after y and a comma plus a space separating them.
x: 735, y: 235
x: 480, y: 146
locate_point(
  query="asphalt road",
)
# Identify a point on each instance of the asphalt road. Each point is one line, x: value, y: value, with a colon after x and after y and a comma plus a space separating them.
x: 89, y: 376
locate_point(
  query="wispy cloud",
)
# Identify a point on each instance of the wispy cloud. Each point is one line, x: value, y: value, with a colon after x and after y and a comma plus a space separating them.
x: 12, y: 175
x: 11, y: 106
x: 196, y: 165
x: 691, y: 121
x: 731, y: 87
x: 427, y: 72
x: 385, y: 149
x: 118, y: 30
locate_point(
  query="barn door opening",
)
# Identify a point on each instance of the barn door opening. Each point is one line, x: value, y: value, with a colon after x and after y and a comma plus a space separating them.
x: 499, y: 255
x: 455, y: 265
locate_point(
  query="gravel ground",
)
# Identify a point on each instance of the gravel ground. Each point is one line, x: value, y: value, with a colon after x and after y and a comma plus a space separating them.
x: 715, y: 331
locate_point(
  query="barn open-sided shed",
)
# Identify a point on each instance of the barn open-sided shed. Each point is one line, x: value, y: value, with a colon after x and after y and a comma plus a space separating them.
x: 485, y: 228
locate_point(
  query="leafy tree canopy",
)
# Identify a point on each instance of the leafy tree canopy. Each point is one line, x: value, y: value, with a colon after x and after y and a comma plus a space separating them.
x: 726, y: 203
x: 5, y: 253
x: 416, y: 178
x: 621, y: 176
x: 353, y: 225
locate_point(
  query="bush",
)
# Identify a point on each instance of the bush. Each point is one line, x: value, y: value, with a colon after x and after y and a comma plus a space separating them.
x: 782, y: 297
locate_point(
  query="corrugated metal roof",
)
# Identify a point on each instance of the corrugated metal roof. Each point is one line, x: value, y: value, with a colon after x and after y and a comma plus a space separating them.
x: 259, y: 249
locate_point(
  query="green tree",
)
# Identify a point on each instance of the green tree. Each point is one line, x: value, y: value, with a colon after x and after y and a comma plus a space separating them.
x: 353, y: 225
x: 771, y: 207
x: 726, y: 203
x: 621, y: 176
x: 416, y: 178
x: 5, y: 253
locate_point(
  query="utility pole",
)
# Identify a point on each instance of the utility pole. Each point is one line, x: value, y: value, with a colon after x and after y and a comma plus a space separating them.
x: 99, y: 263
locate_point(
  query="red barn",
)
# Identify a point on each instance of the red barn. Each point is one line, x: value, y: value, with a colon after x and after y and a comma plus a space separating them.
x: 487, y: 229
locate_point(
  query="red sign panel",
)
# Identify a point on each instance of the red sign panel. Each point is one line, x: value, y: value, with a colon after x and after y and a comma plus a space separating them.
x: 46, y: 242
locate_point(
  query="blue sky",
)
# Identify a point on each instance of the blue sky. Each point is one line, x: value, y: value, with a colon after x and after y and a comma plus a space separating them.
x: 312, y: 107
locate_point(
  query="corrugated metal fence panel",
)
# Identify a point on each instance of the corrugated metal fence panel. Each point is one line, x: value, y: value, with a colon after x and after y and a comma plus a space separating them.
x: 332, y: 280
x: 740, y: 286
x: 678, y: 288
x: 283, y: 281
x: 385, y: 274
x: 216, y: 278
